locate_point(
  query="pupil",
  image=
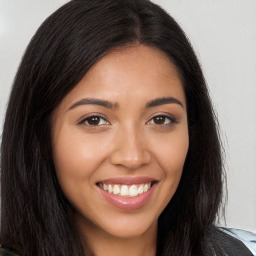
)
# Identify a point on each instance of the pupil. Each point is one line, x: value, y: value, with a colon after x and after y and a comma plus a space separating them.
x: 94, y: 120
x: 159, y: 119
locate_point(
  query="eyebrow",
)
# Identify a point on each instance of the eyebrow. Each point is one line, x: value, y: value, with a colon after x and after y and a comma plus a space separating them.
x: 93, y: 101
x: 162, y: 101
x: 110, y: 105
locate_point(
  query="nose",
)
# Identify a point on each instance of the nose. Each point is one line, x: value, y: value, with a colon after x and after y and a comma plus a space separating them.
x: 130, y: 150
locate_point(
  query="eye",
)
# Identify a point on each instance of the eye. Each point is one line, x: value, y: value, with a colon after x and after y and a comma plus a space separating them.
x: 94, y: 121
x: 162, y: 120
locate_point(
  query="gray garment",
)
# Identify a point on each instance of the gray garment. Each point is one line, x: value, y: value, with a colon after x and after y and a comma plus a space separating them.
x: 247, y: 237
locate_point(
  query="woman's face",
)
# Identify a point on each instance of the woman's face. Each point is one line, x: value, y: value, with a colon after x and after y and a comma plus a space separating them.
x: 120, y: 139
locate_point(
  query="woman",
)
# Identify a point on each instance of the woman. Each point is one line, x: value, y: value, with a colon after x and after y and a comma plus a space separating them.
x: 110, y: 144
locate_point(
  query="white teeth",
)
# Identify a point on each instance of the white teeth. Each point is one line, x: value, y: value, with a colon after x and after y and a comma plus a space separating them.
x: 133, y: 191
x: 110, y: 188
x: 140, y: 190
x: 124, y: 190
x: 116, y: 189
x: 145, y: 188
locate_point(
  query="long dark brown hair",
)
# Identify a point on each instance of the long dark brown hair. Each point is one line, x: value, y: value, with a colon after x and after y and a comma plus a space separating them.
x: 34, y: 213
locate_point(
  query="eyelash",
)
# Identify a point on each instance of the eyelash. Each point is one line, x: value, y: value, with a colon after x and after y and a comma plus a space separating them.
x: 172, y: 120
x: 85, y: 121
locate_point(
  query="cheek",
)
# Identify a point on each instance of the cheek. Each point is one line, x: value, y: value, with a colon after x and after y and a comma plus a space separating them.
x: 171, y: 151
x: 76, y: 157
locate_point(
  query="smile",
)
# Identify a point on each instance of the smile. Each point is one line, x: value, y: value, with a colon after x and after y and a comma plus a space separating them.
x: 127, y: 193
x: 131, y: 190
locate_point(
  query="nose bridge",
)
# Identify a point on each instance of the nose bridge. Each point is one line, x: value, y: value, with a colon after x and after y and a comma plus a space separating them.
x: 130, y: 149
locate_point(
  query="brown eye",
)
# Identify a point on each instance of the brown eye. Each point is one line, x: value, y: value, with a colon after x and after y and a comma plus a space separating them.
x: 160, y: 120
x: 94, y: 121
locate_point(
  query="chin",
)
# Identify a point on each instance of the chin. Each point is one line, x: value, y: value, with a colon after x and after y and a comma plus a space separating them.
x: 131, y: 231
x: 131, y: 225
x: 121, y: 225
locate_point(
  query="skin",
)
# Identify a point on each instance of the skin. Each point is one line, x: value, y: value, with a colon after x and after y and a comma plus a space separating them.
x: 128, y: 141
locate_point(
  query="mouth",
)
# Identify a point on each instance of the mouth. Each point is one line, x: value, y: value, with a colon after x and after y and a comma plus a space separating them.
x: 126, y: 190
x: 127, y: 194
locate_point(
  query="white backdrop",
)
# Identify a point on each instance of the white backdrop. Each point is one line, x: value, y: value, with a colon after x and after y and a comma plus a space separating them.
x: 223, y: 33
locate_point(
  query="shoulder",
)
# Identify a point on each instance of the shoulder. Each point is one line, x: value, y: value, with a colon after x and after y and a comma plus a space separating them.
x: 248, y: 238
x: 223, y: 241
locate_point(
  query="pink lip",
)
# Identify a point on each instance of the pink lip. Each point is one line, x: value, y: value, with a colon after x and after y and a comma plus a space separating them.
x: 128, y: 203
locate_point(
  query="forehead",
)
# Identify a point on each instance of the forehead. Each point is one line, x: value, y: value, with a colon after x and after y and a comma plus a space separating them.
x: 137, y: 72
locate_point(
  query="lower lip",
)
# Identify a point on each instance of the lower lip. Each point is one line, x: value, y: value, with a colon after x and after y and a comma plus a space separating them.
x: 129, y: 203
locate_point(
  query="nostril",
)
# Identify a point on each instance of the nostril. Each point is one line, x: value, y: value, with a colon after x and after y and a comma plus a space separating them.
x: 131, y: 159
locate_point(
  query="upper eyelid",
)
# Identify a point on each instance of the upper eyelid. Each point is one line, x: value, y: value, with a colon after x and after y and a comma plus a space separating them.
x: 84, y: 118
x: 170, y: 116
x: 151, y: 122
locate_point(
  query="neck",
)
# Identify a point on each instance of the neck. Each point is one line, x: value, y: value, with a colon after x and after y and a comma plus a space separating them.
x: 100, y: 243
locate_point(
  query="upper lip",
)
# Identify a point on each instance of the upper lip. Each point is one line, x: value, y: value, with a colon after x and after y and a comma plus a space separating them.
x: 128, y: 180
